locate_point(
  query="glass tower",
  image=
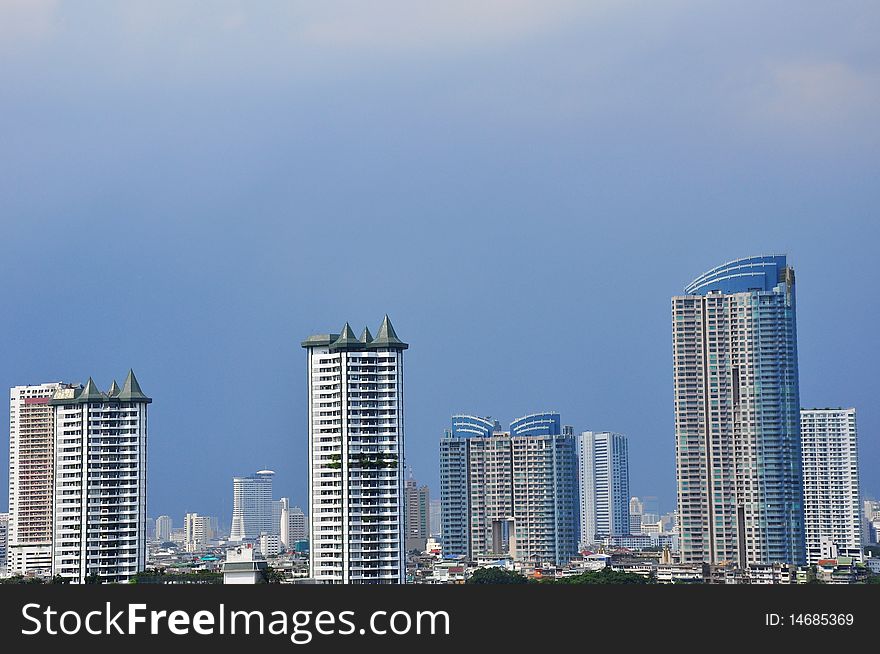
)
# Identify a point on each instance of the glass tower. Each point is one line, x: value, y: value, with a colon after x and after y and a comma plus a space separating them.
x: 737, y: 415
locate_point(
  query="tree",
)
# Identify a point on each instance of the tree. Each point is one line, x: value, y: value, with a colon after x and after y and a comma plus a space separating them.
x: 607, y: 576
x: 496, y: 576
x: 274, y: 575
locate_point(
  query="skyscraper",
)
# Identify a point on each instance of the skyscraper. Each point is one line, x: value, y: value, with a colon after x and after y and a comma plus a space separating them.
x: 417, y: 499
x: 31, y: 478
x: 509, y: 492
x: 603, y: 462
x: 830, y: 453
x: 100, y: 489
x: 356, y: 450
x: 737, y: 415
x: 252, y: 506
x: 4, y: 535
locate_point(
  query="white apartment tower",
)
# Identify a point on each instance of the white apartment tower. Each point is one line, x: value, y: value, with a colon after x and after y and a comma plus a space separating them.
x: 100, y: 488
x: 356, y: 449
x: 293, y: 523
x: 829, y: 449
x: 164, y: 524
x: 252, y: 506
x: 603, y: 462
x: 31, y: 477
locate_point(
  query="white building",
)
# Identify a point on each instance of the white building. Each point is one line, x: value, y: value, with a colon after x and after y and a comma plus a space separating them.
x: 197, y: 531
x: 164, y: 524
x: 252, y: 506
x: 356, y: 452
x: 4, y: 533
x: 293, y: 524
x: 831, y: 484
x: 31, y: 477
x: 270, y: 544
x: 244, y: 566
x: 100, y: 485
x: 603, y: 463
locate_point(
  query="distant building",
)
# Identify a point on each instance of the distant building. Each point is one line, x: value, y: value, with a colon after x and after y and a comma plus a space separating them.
x: 417, y: 500
x: 252, y: 506
x: 831, y: 483
x: 164, y: 525
x: 603, y: 462
x: 270, y: 544
x: 435, y: 519
x: 198, y: 531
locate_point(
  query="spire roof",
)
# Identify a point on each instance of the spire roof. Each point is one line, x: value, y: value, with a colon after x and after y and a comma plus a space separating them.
x: 114, y: 389
x: 387, y: 337
x: 131, y: 390
x: 91, y: 393
x: 346, y: 339
x: 366, y: 336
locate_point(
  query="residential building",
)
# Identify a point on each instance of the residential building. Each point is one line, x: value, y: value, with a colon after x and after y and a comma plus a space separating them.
x: 356, y: 454
x: 737, y: 415
x: 252, y: 506
x: 100, y: 489
x: 417, y: 499
x: 164, y: 525
x: 4, y: 535
x: 293, y: 524
x: 31, y: 478
x: 198, y: 531
x: 435, y: 518
x: 830, y: 456
x: 509, y: 493
x: 603, y: 477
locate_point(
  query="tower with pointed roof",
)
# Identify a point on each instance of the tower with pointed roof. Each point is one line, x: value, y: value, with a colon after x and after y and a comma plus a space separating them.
x: 356, y: 453
x: 100, y: 481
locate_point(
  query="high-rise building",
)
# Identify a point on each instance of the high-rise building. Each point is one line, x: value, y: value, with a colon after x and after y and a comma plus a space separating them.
x: 31, y: 478
x: 603, y: 463
x: 831, y: 482
x: 293, y: 524
x: 4, y: 535
x: 252, y: 507
x: 636, y: 509
x: 737, y: 415
x: 870, y: 515
x: 511, y: 493
x: 197, y: 531
x: 164, y: 525
x: 356, y: 453
x: 100, y: 490
x: 417, y: 500
x: 434, y: 517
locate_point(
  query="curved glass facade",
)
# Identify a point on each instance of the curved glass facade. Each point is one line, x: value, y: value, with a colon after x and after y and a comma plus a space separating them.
x: 537, y: 424
x: 761, y: 273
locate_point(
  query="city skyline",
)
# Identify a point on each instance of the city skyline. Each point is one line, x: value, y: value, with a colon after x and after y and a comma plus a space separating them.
x: 579, y: 163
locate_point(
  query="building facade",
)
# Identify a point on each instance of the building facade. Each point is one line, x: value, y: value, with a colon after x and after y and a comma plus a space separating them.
x: 417, y: 499
x: 197, y: 531
x: 603, y: 479
x: 164, y: 524
x: 253, y: 509
x: 4, y: 536
x: 31, y: 478
x: 830, y: 454
x: 737, y: 415
x: 356, y: 454
x: 100, y: 486
x: 509, y: 493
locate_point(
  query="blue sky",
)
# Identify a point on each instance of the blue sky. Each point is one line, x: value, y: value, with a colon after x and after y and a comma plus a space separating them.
x: 190, y: 189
